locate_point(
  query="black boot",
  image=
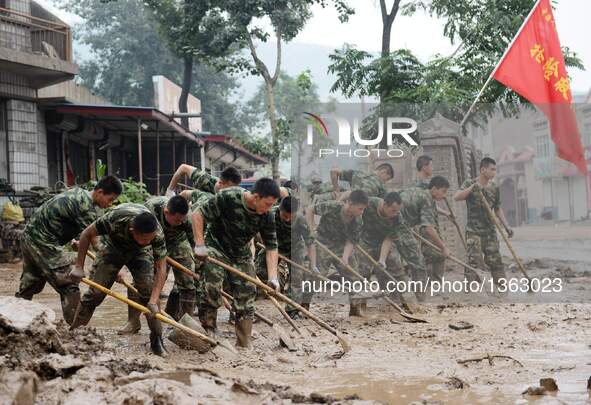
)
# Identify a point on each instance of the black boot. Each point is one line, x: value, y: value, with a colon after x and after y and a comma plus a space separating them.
x: 187, y: 303
x: 70, y: 301
x: 82, y: 316
x: 156, y: 342
x: 172, y: 305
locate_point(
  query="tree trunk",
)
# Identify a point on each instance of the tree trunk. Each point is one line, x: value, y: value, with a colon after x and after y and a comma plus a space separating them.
x: 186, y: 88
x: 272, y: 114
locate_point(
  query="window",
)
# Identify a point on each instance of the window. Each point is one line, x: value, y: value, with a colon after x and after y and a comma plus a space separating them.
x: 543, y: 145
x: 3, y: 141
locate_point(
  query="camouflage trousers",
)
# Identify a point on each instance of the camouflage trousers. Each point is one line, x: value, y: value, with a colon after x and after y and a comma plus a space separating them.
x: 105, y: 268
x: 295, y: 276
x: 434, y: 261
x: 484, y: 249
x: 394, y: 266
x: 214, y: 278
x: 326, y: 262
x: 410, y: 251
x: 183, y: 254
x: 37, y: 272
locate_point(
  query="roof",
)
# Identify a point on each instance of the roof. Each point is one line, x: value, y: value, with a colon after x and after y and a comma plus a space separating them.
x: 233, y: 144
x: 123, y: 119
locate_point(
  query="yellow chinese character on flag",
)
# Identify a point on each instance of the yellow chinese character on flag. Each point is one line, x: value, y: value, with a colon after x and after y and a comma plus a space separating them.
x: 537, y: 52
x: 551, y: 68
x: 563, y: 86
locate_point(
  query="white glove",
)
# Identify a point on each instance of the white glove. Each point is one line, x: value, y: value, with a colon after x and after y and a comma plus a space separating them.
x: 169, y: 193
x: 274, y: 283
x: 200, y: 251
x: 383, y: 265
x: 77, y: 274
x: 316, y: 270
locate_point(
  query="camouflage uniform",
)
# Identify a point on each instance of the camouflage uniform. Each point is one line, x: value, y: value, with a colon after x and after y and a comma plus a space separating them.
x: 179, y: 247
x: 368, y: 182
x: 333, y: 232
x: 292, y: 240
x: 197, y: 198
x: 120, y: 249
x: 420, y: 183
x: 420, y: 211
x: 230, y: 227
x: 203, y: 181
x: 481, y: 234
x: 54, y: 224
x: 374, y: 231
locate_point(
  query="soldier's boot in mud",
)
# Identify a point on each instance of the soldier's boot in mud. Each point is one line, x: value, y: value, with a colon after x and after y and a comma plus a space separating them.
x: 187, y: 303
x: 208, y: 318
x: 356, y: 307
x: 156, y: 342
x: 133, y: 324
x: 243, y: 328
x: 82, y: 316
x: 70, y: 301
x: 497, y: 275
x: 173, y: 305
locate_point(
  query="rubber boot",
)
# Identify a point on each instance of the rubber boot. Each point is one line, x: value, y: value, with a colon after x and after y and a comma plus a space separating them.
x: 187, y: 303
x: 133, y: 324
x: 156, y: 342
x: 208, y: 318
x: 70, y: 302
x: 243, y: 330
x: 355, y: 308
x: 82, y: 316
x: 172, y: 305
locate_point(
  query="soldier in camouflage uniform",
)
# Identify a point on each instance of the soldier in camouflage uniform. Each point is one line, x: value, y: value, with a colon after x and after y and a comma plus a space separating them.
x: 233, y: 217
x: 382, y: 227
x: 372, y: 183
x: 132, y: 237
x: 339, y: 230
x: 424, y: 172
x: 204, y: 181
x: 420, y: 211
x: 481, y: 233
x: 171, y: 214
x: 52, y: 226
x: 293, y: 237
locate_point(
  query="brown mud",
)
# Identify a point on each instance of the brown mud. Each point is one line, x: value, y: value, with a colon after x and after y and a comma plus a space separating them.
x: 392, y: 361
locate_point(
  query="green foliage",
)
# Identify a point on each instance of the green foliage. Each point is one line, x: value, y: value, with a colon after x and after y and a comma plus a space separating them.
x: 133, y: 192
x: 101, y: 169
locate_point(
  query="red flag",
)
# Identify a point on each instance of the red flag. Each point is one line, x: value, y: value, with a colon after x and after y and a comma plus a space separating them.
x: 534, y: 68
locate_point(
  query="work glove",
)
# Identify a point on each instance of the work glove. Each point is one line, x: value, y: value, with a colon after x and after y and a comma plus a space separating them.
x: 383, y: 265
x: 76, y: 274
x: 200, y: 251
x: 316, y: 270
x: 74, y: 243
x: 274, y: 283
x: 154, y: 309
x: 170, y: 192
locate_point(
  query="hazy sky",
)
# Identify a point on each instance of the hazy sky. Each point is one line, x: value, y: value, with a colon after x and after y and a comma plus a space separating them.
x: 420, y: 33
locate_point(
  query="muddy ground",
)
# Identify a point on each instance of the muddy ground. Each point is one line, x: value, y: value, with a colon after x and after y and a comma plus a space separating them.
x: 392, y: 361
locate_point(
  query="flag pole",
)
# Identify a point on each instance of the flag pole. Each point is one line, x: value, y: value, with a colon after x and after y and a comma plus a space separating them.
x: 490, y: 77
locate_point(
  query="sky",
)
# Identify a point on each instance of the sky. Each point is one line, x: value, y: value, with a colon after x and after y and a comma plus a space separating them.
x: 420, y: 33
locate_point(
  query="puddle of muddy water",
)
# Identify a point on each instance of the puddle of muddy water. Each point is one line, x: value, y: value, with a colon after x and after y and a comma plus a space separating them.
x: 399, y: 393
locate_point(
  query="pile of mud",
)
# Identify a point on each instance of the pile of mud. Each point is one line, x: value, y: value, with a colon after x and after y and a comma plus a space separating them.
x: 42, y: 361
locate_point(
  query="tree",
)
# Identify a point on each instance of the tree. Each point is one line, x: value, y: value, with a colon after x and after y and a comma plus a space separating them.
x: 447, y: 84
x: 117, y: 68
x: 287, y: 18
x: 193, y: 29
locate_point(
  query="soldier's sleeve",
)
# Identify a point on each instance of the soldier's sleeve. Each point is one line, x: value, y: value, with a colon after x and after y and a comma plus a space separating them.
x: 347, y: 175
x: 466, y: 184
x: 497, y: 199
x: 159, y: 245
x: 303, y: 230
x: 211, y: 208
x: 268, y: 232
x: 428, y: 213
x: 188, y: 229
x: 324, y: 207
x: 83, y: 213
x: 203, y: 181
